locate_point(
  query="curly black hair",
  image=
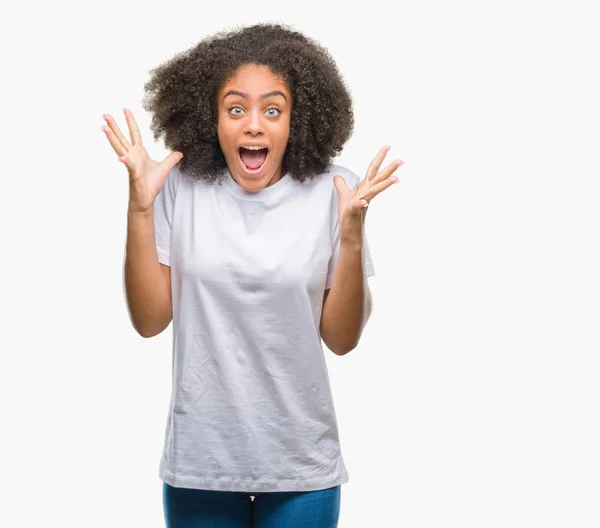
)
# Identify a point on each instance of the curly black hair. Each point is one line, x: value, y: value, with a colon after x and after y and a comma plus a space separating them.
x: 181, y: 97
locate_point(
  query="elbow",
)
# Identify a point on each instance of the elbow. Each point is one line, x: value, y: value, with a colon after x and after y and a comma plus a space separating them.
x: 147, y: 333
x: 144, y: 331
x: 149, y: 329
x: 344, y: 350
x: 341, y: 349
x: 153, y: 331
x: 341, y: 341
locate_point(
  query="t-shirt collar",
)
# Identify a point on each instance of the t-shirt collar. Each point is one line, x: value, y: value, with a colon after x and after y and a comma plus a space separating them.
x: 266, y: 193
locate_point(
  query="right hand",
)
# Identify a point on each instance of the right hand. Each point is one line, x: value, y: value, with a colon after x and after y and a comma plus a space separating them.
x: 146, y: 176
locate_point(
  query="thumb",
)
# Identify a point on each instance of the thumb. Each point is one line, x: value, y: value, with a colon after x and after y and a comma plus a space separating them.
x: 340, y: 184
x: 171, y: 160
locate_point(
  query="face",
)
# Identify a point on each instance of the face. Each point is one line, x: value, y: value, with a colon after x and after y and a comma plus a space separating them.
x: 254, y: 110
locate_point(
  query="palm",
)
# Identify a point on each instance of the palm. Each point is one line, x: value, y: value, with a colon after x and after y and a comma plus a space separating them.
x: 352, y: 203
x: 151, y: 174
x: 346, y: 198
x: 146, y: 176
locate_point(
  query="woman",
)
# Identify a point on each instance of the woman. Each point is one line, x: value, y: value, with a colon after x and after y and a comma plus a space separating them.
x: 252, y: 242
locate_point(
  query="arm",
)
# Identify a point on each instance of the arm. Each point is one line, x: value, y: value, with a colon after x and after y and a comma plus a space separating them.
x: 347, y: 305
x: 147, y: 281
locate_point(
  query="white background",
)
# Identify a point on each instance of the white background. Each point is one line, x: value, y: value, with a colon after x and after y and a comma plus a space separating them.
x: 473, y: 397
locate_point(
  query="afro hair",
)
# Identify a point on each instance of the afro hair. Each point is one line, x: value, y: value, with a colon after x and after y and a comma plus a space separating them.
x: 181, y: 97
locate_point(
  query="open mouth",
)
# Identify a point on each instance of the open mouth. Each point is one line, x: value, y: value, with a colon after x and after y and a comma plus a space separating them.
x: 253, y: 159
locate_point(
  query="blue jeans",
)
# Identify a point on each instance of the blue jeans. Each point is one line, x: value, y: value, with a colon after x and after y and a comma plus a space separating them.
x: 194, y: 508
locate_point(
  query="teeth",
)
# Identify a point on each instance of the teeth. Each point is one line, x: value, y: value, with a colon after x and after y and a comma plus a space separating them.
x: 254, y: 147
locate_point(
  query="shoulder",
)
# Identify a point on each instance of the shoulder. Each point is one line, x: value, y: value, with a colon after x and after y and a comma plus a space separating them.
x: 185, y: 181
x: 326, y: 178
x: 171, y: 184
x: 349, y: 176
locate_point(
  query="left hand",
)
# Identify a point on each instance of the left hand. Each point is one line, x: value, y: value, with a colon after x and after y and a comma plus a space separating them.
x: 352, y: 203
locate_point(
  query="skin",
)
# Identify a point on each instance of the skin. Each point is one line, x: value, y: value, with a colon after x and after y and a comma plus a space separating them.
x: 249, y: 118
x: 347, y: 305
x: 352, y: 203
x: 254, y: 119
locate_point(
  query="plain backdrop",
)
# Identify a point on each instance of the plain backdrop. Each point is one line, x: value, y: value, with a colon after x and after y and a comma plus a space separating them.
x: 473, y: 397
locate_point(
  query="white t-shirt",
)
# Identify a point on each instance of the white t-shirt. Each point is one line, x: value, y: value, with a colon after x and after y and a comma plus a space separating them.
x: 251, y: 406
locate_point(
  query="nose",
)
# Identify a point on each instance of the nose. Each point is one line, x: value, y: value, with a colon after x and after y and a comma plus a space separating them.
x: 254, y: 124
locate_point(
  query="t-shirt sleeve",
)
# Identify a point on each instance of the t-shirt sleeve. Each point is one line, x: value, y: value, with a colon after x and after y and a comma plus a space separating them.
x: 164, y: 205
x: 368, y: 269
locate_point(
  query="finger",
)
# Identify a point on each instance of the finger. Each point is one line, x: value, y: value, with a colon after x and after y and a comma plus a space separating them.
x: 134, y: 131
x: 171, y: 160
x: 374, y: 190
x: 388, y: 171
x: 128, y: 163
x: 117, y: 132
x: 125, y: 161
x: 114, y: 141
x: 377, y: 161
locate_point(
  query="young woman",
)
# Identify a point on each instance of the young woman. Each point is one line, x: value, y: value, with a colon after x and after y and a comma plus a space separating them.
x: 252, y: 242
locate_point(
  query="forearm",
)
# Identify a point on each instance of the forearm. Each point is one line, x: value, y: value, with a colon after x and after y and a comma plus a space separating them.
x: 147, y: 293
x: 348, y: 304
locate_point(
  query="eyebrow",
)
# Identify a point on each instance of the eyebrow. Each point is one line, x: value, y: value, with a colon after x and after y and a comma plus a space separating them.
x: 263, y: 96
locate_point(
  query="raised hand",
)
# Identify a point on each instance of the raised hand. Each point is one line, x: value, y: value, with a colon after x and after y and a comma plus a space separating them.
x: 146, y: 176
x: 352, y: 203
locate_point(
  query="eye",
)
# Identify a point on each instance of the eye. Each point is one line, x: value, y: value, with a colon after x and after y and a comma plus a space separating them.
x: 234, y: 108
